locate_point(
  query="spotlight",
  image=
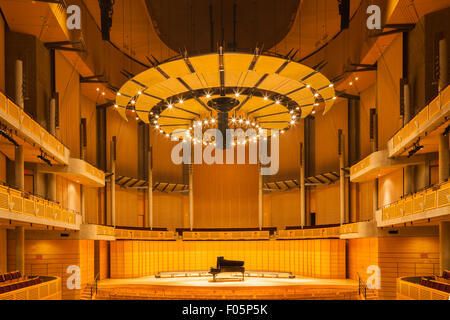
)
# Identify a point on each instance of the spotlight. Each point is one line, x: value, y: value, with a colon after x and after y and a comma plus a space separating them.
x: 116, y: 106
x: 416, y: 149
x: 170, y: 106
x: 8, y: 137
x: 43, y: 158
x: 208, y: 96
x: 181, y: 101
x: 119, y: 94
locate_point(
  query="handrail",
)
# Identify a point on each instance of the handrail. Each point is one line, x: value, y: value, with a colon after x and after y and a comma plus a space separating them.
x: 95, y: 287
x: 362, y: 287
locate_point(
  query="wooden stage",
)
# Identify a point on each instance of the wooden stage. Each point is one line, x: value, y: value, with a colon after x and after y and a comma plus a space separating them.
x: 192, y: 288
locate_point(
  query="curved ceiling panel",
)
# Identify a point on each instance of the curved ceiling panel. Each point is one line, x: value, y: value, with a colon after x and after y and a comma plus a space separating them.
x: 200, y: 25
x: 264, y: 91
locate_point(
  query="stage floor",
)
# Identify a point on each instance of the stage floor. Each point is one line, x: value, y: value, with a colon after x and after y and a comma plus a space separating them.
x: 248, y: 282
x: 204, y: 288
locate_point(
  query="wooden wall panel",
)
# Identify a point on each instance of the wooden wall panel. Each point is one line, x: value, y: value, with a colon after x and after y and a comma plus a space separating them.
x: 390, y: 188
x: 367, y: 102
x: 406, y: 257
x: 362, y: 253
x: 89, y: 112
x: 52, y: 258
x: 390, y: 71
x: 327, y: 204
x: 225, y: 196
x: 313, y: 258
x: 68, y: 87
x: 103, y: 259
x: 284, y: 209
x: 68, y: 193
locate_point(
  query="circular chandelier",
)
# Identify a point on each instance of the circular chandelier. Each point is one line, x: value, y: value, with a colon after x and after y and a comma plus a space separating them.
x: 225, y: 90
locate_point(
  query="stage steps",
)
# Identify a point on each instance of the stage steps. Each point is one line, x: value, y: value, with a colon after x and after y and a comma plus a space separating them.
x: 86, y: 293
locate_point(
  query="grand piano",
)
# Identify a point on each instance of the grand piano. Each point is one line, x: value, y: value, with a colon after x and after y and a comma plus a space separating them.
x: 227, y: 266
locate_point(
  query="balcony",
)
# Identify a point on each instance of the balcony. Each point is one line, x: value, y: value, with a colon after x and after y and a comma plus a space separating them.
x: 14, y: 205
x: 30, y: 135
x: 409, y: 288
x: 315, y: 233
x: 357, y: 230
x: 432, y: 118
x: 426, y: 204
x: 379, y: 164
x: 50, y: 289
x: 125, y: 234
x: 79, y: 171
x: 225, y: 235
x: 97, y: 232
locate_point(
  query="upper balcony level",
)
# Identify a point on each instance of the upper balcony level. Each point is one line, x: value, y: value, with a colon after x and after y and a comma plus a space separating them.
x: 432, y: 203
x: 24, y: 131
x: 28, y: 209
x: 428, y: 123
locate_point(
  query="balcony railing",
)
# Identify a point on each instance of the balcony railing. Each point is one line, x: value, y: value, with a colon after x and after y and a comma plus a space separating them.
x: 429, y: 199
x: 18, y: 119
x: 124, y: 234
x: 48, y: 290
x: 316, y: 233
x: 420, y: 121
x: 15, y: 201
x: 409, y: 289
x: 226, y: 235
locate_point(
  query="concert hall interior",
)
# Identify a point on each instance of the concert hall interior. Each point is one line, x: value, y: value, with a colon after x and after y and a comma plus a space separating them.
x: 224, y: 150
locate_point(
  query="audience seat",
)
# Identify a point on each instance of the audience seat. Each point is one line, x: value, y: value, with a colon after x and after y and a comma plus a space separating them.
x: 14, y: 281
x: 436, y: 285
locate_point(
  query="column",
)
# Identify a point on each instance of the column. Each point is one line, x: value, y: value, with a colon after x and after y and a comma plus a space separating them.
x: 302, y: 188
x: 408, y: 172
x: 342, y: 178
x: 19, y: 168
x: 51, y: 177
x: 20, y: 249
x: 443, y: 158
x: 444, y: 245
x: 443, y: 65
x: 260, y: 198
x: 113, y: 182
x: 19, y: 84
x: 191, y: 196
x: 150, y: 189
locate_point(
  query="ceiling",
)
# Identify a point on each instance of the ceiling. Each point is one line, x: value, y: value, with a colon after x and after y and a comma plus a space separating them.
x: 160, y: 28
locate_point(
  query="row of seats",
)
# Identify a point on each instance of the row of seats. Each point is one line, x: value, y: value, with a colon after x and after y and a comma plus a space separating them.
x: 435, y: 285
x: 19, y: 285
x: 11, y: 276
